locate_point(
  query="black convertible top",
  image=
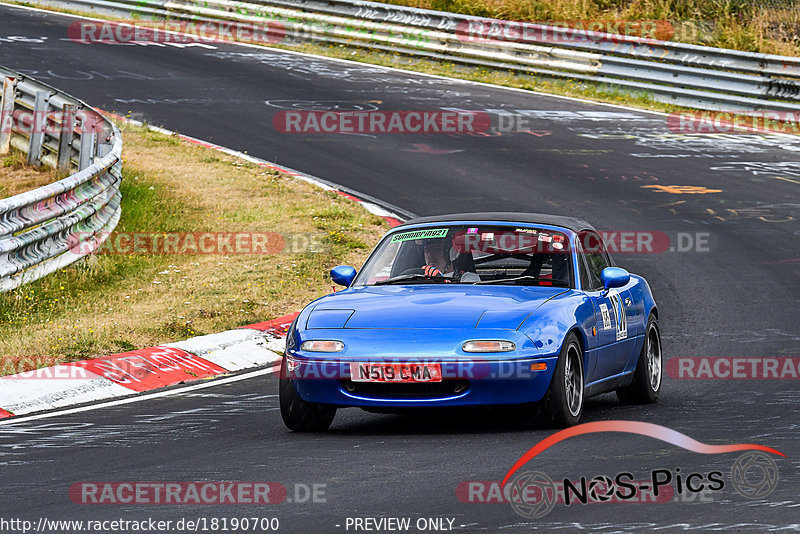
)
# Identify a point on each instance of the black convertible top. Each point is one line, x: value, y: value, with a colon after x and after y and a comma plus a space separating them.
x: 571, y: 223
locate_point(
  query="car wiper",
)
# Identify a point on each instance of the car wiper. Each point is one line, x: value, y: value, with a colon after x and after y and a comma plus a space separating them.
x: 413, y: 277
x: 561, y: 283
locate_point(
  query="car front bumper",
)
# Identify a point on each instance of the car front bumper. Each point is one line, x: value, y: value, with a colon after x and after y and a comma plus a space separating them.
x: 465, y: 382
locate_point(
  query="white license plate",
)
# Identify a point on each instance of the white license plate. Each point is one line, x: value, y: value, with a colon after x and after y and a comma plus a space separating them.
x: 395, y: 372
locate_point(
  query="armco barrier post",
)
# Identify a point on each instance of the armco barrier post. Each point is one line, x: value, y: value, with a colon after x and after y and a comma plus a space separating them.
x: 65, y: 137
x: 88, y: 141
x: 7, y: 113
x: 37, y: 130
x: 105, y: 140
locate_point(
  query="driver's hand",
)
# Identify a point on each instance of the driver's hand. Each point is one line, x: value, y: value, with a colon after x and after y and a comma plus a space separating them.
x: 430, y: 270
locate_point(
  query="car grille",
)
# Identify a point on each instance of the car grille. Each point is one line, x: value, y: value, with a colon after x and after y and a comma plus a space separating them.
x: 383, y: 390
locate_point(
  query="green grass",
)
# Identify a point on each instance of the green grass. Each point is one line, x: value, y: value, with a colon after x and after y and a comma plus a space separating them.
x: 14, y: 160
x: 111, y: 303
x: 148, y: 207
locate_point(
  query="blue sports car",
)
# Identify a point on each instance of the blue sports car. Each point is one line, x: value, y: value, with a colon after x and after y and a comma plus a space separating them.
x: 475, y: 309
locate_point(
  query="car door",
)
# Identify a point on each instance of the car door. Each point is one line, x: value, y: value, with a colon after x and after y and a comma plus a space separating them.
x: 615, y: 316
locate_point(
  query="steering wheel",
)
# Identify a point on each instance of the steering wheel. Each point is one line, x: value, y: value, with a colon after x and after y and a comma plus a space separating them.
x: 412, y: 270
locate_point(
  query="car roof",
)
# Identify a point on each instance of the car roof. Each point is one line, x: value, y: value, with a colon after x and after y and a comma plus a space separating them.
x: 570, y: 223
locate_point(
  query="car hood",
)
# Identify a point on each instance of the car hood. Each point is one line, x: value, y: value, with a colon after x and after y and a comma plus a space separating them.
x: 430, y: 306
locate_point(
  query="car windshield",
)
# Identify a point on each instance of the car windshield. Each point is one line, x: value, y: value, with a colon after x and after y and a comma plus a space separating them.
x: 470, y: 254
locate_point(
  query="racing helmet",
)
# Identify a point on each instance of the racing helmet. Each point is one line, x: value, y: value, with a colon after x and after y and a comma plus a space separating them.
x: 444, y: 243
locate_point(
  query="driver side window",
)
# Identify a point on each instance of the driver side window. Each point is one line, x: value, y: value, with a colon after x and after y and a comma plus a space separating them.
x: 596, y: 260
x: 583, y: 271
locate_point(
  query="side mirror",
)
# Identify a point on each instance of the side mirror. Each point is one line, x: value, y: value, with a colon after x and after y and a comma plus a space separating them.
x: 614, y: 277
x: 343, y: 275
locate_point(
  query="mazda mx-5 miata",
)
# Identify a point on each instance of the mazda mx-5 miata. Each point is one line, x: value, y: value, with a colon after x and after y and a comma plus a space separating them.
x: 518, y: 310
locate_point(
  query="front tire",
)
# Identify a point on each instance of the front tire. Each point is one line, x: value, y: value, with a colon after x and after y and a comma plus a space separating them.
x: 649, y: 372
x: 299, y: 415
x: 562, y: 405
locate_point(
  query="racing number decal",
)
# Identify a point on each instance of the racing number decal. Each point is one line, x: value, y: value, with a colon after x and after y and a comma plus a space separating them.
x: 606, y: 318
x: 619, y: 315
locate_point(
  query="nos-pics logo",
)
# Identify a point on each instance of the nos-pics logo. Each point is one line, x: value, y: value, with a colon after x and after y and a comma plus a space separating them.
x: 533, y: 494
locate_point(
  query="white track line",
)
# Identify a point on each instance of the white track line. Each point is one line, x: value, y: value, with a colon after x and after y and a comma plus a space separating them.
x: 351, y: 63
x: 304, y: 54
x: 405, y: 71
x: 147, y: 396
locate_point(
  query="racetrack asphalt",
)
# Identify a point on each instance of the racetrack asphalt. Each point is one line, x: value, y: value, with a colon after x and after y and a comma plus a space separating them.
x: 739, y: 298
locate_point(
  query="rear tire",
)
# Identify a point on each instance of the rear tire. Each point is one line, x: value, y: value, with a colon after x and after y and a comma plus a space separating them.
x: 562, y: 405
x: 299, y: 415
x: 649, y: 372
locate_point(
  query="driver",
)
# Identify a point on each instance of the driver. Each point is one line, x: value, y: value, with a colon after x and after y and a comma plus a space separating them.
x: 438, y: 261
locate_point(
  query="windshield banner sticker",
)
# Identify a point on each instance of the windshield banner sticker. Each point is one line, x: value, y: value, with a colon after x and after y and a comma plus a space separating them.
x: 419, y: 234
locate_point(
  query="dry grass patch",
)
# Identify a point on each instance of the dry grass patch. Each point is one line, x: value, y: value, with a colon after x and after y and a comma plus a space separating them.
x: 112, y: 302
x: 17, y: 177
x: 772, y: 28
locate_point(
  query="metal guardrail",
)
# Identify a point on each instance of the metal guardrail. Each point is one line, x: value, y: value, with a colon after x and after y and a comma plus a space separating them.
x: 48, y: 228
x: 679, y: 73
